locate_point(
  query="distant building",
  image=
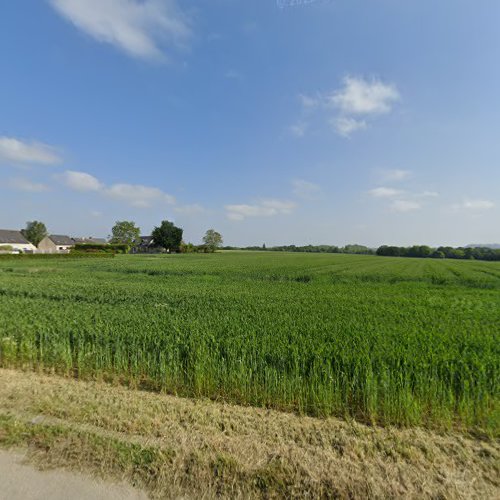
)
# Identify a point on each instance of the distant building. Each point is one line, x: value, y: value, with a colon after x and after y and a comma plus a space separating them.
x: 56, y: 243
x: 16, y: 241
x: 90, y: 241
x: 146, y: 244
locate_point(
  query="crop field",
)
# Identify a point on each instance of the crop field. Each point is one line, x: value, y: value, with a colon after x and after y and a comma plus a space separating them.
x: 383, y: 340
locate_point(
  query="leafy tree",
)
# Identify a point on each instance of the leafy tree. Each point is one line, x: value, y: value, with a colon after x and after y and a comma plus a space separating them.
x: 438, y: 255
x: 34, y: 232
x: 168, y: 236
x: 212, y: 240
x: 187, y: 248
x: 125, y: 232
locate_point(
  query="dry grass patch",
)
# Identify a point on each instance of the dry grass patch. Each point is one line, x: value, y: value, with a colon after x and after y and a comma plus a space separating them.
x: 181, y: 447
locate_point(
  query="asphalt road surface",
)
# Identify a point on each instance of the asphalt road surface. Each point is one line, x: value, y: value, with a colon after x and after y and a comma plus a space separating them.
x: 19, y: 481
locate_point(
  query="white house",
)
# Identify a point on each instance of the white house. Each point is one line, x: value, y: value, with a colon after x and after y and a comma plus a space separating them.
x: 56, y: 243
x: 16, y: 241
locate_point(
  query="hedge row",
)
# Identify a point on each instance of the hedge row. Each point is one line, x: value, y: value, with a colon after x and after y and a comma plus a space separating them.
x: 103, y: 249
x: 48, y: 256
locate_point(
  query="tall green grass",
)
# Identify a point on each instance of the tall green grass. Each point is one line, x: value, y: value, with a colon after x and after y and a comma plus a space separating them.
x: 401, y: 341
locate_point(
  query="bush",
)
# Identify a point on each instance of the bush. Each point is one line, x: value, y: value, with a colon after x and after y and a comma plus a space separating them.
x: 94, y: 248
x: 187, y: 248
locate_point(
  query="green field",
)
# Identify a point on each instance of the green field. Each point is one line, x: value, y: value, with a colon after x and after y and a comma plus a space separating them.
x: 386, y: 340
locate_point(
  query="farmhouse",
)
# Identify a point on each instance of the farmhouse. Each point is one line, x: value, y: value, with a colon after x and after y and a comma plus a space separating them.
x: 56, y: 243
x: 146, y: 244
x: 16, y: 241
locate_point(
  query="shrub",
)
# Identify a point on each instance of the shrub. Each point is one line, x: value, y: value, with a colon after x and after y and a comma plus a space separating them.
x: 95, y: 248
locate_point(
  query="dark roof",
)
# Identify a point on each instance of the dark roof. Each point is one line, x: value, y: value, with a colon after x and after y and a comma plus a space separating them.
x: 145, y: 241
x: 8, y: 236
x: 94, y: 241
x: 61, y: 239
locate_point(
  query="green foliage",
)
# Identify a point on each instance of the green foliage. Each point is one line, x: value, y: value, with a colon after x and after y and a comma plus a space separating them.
x: 96, y: 248
x: 212, y: 240
x: 424, y: 251
x: 168, y: 236
x: 34, y: 232
x: 125, y: 232
x: 6, y: 248
x: 52, y: 256
x: 187, y: 248
x: 394, y: 341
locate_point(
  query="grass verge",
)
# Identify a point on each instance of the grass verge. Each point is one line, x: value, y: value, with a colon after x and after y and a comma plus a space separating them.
x: 175, y: 447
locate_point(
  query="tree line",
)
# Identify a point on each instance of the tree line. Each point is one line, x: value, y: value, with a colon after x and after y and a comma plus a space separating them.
x: 418, y: 251
x: 424, y: 251
x: 351, y: 249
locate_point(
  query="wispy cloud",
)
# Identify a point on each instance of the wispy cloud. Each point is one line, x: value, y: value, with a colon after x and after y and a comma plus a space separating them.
x: 136, y: 195
x: 21, y: 184
x: 80, y: 181
x: 345, y: 126
x: 298, y: 129
x: 349, y: 107
x: 310, y: 102
x: 402, y: 200
x: 266, y: 208
x: 140, y: 28
x: 405, y: 206
x: 305, y: 189
x: 477, y: 205
x: 27, y: 152
x: 359, y: 96
x: 384, y: 192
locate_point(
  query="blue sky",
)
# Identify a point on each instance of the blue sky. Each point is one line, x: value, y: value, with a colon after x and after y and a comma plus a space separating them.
x: 342, y: 121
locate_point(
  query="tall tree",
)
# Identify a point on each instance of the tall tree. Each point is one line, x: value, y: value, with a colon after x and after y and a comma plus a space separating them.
x: 213, y: 240
x: 34, y: 232
x: 168, y: 236
x: 125, y: 232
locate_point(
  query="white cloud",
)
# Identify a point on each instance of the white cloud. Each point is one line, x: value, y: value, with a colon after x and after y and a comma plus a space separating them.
x: 345, y: 126
x: 395, y: 175
x: 17, y: 151
x: 478, y: 205
x: 405, y: 206
x: 384, y: 192
x: 138, y: 27
x: 305, y: 189
x: 266, y: 208
x: 80, y: 181
x: 299, y: 129
x: 362, y: 97
x: 193, y: 209
x: 137, y: 195
x: 28, y: 186
x: 349, y: 107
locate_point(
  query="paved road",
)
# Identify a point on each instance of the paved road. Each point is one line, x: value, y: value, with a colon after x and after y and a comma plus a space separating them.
x: 20, y: 481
